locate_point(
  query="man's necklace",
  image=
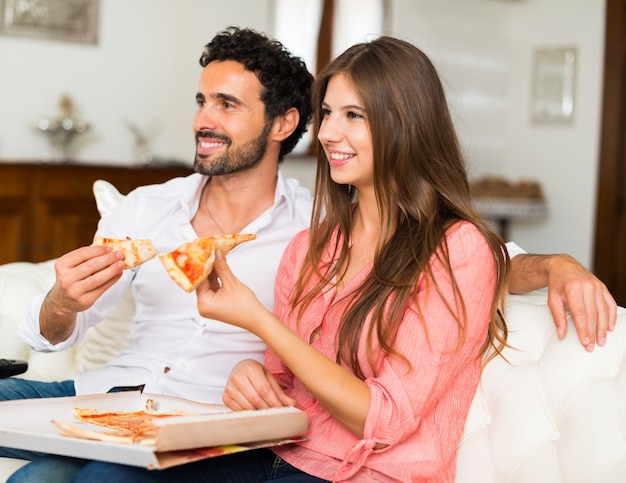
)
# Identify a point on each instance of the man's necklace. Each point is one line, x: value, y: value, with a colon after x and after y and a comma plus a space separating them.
x: 208, y: 210
x: 206, y: 204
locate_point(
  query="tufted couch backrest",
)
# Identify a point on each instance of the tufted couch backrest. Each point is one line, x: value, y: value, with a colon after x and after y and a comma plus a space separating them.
x: 554, y: 412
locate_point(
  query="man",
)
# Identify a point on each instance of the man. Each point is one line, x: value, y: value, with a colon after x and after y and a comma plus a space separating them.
x: 253, y: 107
x: 243, y: 127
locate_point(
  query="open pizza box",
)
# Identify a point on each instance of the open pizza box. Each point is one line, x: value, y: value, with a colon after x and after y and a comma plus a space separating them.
x: 210, y: 429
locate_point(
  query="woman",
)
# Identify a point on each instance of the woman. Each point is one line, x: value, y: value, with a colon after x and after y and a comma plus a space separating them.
x: 385, y: 308
x: 395, y: 286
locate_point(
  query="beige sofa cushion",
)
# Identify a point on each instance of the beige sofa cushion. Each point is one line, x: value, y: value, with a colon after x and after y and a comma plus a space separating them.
x: 105, y: 340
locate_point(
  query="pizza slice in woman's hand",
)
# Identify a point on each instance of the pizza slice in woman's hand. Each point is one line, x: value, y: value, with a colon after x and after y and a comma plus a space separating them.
x: 135, y: 252
x: 192, y: 262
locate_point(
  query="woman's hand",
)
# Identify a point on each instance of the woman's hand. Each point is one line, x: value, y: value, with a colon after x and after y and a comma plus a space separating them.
x: 223, y: 297
x: 252, y: 386
x: 345, y: 396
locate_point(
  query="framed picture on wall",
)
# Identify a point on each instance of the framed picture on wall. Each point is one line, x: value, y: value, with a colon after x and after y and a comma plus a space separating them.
x: 65, y: 20
x: 554, y: 75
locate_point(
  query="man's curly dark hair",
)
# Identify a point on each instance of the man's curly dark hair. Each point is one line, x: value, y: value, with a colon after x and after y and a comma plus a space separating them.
x: 285, y: 79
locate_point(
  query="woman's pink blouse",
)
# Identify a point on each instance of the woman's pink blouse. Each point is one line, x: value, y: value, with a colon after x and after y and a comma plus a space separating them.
x: 418, y: 411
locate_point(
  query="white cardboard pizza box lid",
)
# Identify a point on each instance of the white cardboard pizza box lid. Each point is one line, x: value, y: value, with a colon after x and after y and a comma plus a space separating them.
x: 27, y: 424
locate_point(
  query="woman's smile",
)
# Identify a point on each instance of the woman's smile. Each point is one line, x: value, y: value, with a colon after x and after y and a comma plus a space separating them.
x: 338, y: 159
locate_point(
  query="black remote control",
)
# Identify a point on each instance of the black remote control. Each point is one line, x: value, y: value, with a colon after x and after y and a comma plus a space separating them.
x: 12, y: 367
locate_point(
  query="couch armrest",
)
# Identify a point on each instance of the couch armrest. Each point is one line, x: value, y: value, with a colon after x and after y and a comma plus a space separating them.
x: 19, y: 282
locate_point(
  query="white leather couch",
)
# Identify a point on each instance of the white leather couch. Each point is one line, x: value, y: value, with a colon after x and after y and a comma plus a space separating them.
x: 552, y: 413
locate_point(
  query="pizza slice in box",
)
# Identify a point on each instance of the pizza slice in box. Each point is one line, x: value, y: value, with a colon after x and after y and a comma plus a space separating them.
x: 192, y: 262
x: 135, y: 252
x: 129, y: 426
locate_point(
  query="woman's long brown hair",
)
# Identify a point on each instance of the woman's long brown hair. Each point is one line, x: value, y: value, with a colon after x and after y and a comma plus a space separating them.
x: 422, y: 189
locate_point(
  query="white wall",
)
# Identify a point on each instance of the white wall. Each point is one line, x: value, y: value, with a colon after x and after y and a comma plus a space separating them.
x: 145, y: 68
x: 484, y: 51
x: 565, y: 158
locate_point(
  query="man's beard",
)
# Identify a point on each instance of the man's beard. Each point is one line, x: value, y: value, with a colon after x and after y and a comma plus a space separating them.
x: 239, y: 159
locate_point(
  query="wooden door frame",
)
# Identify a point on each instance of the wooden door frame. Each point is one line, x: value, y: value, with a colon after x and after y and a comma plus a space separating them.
x: 610, y: 230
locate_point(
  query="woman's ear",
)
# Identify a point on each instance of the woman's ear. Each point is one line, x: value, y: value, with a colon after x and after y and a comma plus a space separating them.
x: 286, y: 124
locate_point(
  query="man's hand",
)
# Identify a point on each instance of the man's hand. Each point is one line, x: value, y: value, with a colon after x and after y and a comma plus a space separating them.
x: 82, y: 276
x: 252, y: 386
x: 570, y: 287
x: 590, y: 303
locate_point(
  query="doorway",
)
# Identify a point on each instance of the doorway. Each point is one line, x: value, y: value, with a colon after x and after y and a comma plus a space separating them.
x: 610, y: 233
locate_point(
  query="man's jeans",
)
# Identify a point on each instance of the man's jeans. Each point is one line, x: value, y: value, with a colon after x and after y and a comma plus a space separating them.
x: 15, y: 388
